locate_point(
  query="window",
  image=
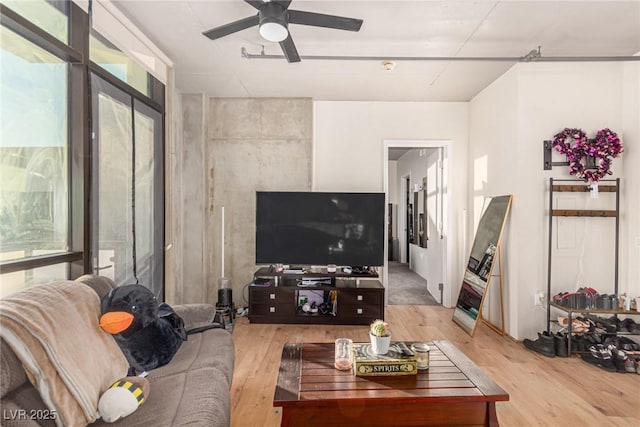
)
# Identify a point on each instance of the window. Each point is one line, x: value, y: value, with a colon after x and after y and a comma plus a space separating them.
x: 34, y: 195
x: 48, y: 15
x: 48, y: 229
x: 118, y: 63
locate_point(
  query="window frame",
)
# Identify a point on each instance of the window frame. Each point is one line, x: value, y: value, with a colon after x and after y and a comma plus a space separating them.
x: 77, y: 55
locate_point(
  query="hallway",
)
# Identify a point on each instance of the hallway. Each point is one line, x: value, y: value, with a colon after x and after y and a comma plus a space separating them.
x: 407, y: 287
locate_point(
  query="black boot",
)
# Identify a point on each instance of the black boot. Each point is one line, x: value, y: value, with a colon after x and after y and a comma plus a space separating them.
x: 579, y: 344
x: 562, y: 345
x: 544, y: 345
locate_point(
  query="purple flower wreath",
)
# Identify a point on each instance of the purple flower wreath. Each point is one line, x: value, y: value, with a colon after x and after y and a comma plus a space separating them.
x: 604, y: 148
x: 574, y: 152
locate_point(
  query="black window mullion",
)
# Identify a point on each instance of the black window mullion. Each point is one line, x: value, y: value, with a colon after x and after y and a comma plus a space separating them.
x: 79, y: 144
x: 38, y: 261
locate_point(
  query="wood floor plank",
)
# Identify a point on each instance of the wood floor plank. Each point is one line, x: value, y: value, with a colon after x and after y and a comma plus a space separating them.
x: 542, y: 391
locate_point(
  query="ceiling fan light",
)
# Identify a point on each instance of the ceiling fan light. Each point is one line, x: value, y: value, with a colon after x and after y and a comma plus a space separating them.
x: 273, y: 31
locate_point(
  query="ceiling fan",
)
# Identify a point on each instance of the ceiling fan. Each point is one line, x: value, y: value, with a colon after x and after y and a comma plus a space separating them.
x: 274, y: 17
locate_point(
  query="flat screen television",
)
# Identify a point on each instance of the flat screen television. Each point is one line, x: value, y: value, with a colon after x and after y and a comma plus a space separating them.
x: 316, y: 228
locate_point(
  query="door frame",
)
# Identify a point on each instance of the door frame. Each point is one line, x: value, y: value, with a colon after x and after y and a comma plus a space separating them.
x: 444, y: 188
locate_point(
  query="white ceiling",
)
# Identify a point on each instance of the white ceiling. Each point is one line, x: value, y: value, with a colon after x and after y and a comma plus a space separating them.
x: 454, y: 28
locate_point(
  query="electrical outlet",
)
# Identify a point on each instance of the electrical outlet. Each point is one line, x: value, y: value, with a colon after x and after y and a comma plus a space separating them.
x: 539, y: 298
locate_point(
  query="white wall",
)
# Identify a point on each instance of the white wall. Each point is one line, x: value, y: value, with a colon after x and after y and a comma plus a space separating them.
x: 426, y: 262
x: 392, y: 198
x: 631, y: 183
x: 394, y: 182
x: 527, y: 105
x: 349, y: 150
x: 493, y: 130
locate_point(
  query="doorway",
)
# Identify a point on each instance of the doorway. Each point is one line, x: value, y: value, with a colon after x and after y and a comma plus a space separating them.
x: 417, y: 168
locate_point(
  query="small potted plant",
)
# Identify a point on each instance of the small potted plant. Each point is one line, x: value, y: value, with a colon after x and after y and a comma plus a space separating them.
x: 380, y: 336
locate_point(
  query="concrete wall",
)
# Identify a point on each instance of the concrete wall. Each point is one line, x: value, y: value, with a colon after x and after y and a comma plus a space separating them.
x: 251, y: 145
x: 188, y: 238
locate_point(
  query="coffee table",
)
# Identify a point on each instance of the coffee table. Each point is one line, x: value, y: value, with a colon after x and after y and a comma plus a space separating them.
x: 453, y: 391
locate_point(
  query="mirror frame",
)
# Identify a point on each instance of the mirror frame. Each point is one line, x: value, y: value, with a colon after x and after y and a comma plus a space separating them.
x: 473, y: 282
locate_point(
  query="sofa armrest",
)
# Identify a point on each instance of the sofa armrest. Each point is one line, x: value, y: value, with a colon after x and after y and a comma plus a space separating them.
x: 195, y: 314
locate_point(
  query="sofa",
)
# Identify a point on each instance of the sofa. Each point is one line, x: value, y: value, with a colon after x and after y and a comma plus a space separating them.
x: 192, y: 389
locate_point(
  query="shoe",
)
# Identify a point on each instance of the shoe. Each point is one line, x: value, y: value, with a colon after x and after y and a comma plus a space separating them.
x: 593, y: 338
x: 619, y: 359
x: 630, y: 365
x: 545, y: 344
x: 579, y: 344
x: 630, y: 325
x: 601, y: 357
x: 561, y: 345
x: 622, y: 343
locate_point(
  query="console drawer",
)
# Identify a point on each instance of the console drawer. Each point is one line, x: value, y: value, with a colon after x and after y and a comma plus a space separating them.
x: 271, y: 310
x: 360, y: 297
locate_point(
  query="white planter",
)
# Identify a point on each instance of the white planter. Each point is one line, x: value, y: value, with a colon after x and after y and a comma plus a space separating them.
x: 380, y: 345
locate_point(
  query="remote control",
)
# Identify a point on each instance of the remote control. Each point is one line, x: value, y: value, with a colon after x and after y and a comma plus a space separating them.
x: 404, y: 349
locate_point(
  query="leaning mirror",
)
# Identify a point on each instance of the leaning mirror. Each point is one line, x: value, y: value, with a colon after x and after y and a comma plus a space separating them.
x: 485, y: 250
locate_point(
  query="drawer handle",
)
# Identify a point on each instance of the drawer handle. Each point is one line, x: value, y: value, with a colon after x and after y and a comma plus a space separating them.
x: 359, y: 311
x: 359, y: 298
x: 272, y: 309
x: 272, y: 296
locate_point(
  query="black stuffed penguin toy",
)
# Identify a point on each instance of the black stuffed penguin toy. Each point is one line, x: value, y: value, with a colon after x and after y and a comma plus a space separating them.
x: 148, y: 334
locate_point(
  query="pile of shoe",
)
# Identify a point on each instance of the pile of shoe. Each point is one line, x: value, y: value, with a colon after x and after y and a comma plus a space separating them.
x: 618, y: 354
x: 614, y: 354
x: 578, y: 325
x: 610, y: 325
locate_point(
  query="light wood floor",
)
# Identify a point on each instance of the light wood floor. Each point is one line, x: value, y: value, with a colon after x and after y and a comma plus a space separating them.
x: 543, y: 391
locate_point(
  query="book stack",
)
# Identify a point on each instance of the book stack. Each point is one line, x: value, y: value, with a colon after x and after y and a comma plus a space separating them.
x: 367, y: 363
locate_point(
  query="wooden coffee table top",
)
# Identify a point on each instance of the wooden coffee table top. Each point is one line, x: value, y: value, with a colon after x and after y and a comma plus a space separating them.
x: 307, y: 377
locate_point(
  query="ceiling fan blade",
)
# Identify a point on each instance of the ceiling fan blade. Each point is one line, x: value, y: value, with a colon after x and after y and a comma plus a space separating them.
x: 284, y: 3
x: 258, y: 3
x: 289, y: 49
x: 326, y: 21
x: 255, y: 3
x: 232, y: 27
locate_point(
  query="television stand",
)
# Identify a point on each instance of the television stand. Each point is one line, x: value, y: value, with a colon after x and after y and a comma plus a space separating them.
x: 341, y: 298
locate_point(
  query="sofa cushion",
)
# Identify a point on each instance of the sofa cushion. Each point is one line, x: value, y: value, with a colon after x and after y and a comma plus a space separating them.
x: 23, y: 407
x: 101, y: 284
x: 12, y: 375
x: 191, y: 390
